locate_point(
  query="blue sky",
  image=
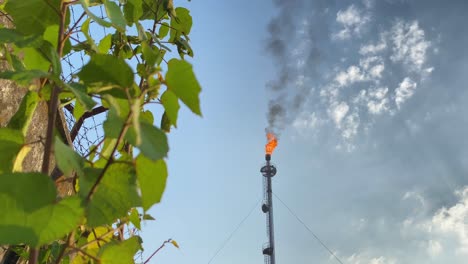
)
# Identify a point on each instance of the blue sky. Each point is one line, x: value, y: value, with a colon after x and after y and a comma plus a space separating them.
x: 372, y: 152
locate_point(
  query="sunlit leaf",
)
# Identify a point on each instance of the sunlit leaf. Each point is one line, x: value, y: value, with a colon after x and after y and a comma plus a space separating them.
x: 97, y: 237
x: 153, y: 141
x: 115, y: 15
x: 114, y: 196
x: 182, y: 25
x: 79, y: 91
x: 173, y: 242
x: 86, y: 4
x: 134, y: 218
x: 67, y: 159
x: 105, y: 44
x: 8, y: 35
x: 151, y: 176
x: 35, y: 218
x: 104, y: 69
x: 11, y: 142
x: 163, y: 30
x: 171, y: 105
x: 23, y: 116
x: 120, y: 252
x: 18, y: 164
x: 33, y: 16
x: 23, y: 77
x: 182, y: 82
x: 133, y: 10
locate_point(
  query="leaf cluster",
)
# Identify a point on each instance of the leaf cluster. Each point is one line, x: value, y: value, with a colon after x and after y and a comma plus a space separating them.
x: 119, y: 179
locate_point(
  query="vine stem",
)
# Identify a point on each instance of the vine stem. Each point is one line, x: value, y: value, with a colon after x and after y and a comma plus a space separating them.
x: 52, y: 115
x: 101, y: 175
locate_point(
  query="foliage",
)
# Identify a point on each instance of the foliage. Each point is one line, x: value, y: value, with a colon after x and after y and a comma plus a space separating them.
x: 126, y: 70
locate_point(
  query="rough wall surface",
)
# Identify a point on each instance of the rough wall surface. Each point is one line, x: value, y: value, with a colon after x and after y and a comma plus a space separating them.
x: 10, y: 98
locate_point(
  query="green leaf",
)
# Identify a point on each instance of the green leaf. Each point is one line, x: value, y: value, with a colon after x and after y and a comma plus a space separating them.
x: 105, y: 44
x: 89, y: 39
x: 11, y: 142
x: 182, y: 82
x: 8, y: 35
x: 78, y: 110
x: 33, y: 16
x: 104, y: 69
x: 23, y: 77
x: 163, y: 30
x: 182, y: 25
x: 115, y: 15
x: 35, y: 218
x: 85, y: 4
x: 67, y: 159
x: 147, y: 116
x: 34, y: 60
x: 51, y: 35
x: 98, y: 233
x: 115, y: 195
x: 83, y: 98
x: 165, y: 123
x: 149, y: 9
x: 149, y: 55
x: 148, y: 217
x: 133, y: 10
x: 171, y: 105
x: 134, y: 218
x: 152, y: 176
x: 153, y: 141
x: 120, y: 252
x: 50, y: 53
x: 22, y: 118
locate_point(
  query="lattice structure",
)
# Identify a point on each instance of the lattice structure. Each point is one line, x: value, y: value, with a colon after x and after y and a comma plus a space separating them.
x: 268, y: 171
x: 87, y: 131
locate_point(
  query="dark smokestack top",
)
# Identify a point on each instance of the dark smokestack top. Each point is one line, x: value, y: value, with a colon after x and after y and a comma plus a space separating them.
x: 267, y: 157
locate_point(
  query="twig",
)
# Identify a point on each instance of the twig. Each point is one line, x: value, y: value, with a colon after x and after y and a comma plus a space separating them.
x: 67, y: 244
x: 157, y: 250
x: 33, y: 255
x: 87, y: 254
x: 101, y: 175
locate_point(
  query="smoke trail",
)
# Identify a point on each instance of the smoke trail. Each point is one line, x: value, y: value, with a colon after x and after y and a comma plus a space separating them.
x: 293, y: 46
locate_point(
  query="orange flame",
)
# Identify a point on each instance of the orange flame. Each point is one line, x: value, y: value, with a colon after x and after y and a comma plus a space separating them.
x: 272, y: 143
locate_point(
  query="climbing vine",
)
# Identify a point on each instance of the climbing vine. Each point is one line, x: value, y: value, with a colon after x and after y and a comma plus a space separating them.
x: 139, y: 61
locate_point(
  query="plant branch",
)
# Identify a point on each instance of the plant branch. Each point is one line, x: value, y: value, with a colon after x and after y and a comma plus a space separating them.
x: 67, y: 244
x: 53, y: 102
x: 77, y: 126
x: 111, y: 158
x: 70, y: 31
x: 157, y: 250
x: 87, y: 254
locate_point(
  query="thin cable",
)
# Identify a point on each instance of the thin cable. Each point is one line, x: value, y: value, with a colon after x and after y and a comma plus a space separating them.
x: 310, y: 230
x: 233, y: 232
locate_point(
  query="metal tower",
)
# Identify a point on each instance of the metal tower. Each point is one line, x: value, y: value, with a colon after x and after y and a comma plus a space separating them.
x: 268, y: 171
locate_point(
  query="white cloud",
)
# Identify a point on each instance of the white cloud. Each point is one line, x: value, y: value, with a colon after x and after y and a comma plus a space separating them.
x: 366, y: 259
x: 452, y: 221
x: 434, y: 248
x: 409, y: 44
x: 352, y: 20
x: 404, y: 91
x: 350, y: 126
x: 369, y: 49
x: 375, y: 99
x: 306, y: 121
x: 351, y: 75
x: 337, y: 112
